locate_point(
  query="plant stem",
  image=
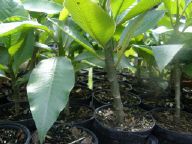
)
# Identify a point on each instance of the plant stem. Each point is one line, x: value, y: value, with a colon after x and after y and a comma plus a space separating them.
x: 177, y: 71
x: 15, y: 93
x: 114, y: 84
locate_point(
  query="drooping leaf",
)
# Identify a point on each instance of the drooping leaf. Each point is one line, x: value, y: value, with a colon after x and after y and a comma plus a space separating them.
x: 92, y: 19
x: 165, y: 53
x: 11, y: 8
x: 48, y: 91
x: 14, y: 27
x: 118, y: 6
x: 74, y: 34
x: 44, y: 6
x: 139, y: 8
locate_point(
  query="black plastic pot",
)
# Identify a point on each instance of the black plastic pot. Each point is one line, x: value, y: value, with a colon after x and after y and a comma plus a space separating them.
x: 29, y: 122
x: 88, y: 123
x: 152, y: 140
x: 98, y: 103
x: 75, y: 98
x: 113, y: 136
x: 16, y: 126
x: 94, y: 138
x: 170, y: 135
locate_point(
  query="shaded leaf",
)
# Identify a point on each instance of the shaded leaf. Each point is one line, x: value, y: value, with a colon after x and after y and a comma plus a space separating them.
x: 11, y: 8
x: 74, y: 34
x: 165, y: 53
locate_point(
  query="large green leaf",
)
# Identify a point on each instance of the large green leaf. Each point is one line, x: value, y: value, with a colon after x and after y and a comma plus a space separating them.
x: 149, y: 21
x: 118, y: 6
x: 25, y: 51
x: 11, y: 8
x: 92, y: 19
x: 137, y: 26
x: 165, y: 53
x: 44, y: 6
x: 48, y: 91
x: 14, y: 27
x: 74, y: 34
x: 139, y: 8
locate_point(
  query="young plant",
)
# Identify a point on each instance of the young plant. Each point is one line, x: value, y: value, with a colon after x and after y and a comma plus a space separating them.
x: 17, y: 37
x: 178, y: 37
x: 101, y: 26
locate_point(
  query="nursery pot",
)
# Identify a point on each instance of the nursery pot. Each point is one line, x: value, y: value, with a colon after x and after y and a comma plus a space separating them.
x: 80, y: 94
x: 6, y: 112
x: 14, y: 130
x: 129, y: 99
x: 116, y: 136
x: 75, y: 111
x: 63, y: 133
x: 176, y: 137
x: 152, y: 140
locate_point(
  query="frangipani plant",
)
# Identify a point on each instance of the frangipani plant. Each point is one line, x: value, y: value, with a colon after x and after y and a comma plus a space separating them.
x: 176, y: 26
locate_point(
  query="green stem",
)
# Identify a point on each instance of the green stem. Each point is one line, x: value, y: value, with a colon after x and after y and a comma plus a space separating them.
x: 114, y: 85
x: 15, y: 93
x: 177, y: 71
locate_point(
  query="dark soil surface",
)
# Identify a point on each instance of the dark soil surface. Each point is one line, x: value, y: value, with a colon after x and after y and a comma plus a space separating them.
x: 105, y: 97
x: 135, y: 120
x: 80, y: 92
x: 159, y: 102
x: 100, y: 84
x: 77, y: 114
x: 12, y: 136
x: 5, y: 87
x: 167, y: 119
x: 60, y: 134
x: 8, y: 113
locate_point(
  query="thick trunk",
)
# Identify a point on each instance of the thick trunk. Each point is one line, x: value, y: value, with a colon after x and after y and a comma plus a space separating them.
x: 114, y: 85
x: 177, y: 71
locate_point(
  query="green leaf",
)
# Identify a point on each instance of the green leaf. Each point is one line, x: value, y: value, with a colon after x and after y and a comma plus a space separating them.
x: 118, y: 6
x: 4, y: 56
x: 165, y: 53
x: 145, y: 53
x: 11, y: 8
x: 92, y: 19
x: 44, y: 6
x: 14, y: 27
x: 188, y: 70
x: 48, y: 91
x: 25, y: 51
x: 74, y: 34
x: 139, y: 8
x: 149, y: 21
